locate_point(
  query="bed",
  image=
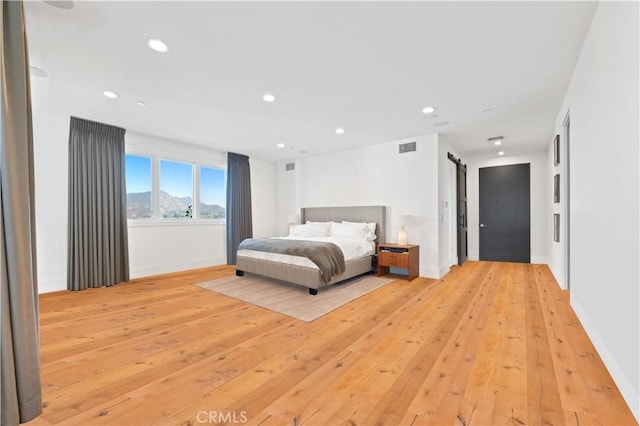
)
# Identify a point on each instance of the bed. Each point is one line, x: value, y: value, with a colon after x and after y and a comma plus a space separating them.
x: 299, y: 270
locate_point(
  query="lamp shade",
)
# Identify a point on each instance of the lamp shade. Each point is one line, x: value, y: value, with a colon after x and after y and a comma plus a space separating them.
x: 402, y: 236
x: 405, y: 220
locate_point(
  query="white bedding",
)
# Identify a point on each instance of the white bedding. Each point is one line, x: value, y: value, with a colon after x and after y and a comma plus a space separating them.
x: 351, y: 248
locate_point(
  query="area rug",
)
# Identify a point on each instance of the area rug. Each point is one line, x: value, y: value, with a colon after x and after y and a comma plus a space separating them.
x: 293, y: 300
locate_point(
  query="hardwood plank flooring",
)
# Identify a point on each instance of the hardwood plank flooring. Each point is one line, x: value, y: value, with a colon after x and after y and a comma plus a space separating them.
x: 490, y: 343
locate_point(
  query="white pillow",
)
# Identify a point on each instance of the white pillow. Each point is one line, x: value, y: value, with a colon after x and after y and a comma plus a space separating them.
x: 327, y: 224
x: 356, y: 231
x: 310, y: 230
x: 371, y: 229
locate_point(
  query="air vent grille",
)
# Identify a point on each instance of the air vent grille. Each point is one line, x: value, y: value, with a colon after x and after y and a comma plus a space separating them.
x: 290, y: 166
x: 407, y: 147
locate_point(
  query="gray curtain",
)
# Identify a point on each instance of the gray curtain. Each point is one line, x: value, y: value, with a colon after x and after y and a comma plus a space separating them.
x: 20, y: 392
x: 239, y: 220
x: 98, y: 243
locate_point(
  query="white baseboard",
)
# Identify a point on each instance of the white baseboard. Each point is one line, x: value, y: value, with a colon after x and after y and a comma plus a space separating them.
x: 556, y: 274
x: 49, y: 285
x: 539, y: 259
x: 475, y: 255
x: 624, y: 383
x: 150, y: 270
x: 433, y: 273
x: 444, y: 270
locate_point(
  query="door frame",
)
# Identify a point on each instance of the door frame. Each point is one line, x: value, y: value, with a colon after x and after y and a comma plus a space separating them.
x: 452, y: 201
x: 514, y: 254
x: 461, y: 216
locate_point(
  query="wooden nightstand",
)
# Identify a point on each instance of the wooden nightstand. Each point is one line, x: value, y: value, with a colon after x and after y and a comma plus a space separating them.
x: 399, y: 256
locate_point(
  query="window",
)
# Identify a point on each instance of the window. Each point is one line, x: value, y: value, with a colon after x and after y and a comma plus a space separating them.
x: 166, y: 189
x: 212, y: 194
x: 176, y: 190
x: 138, y: 175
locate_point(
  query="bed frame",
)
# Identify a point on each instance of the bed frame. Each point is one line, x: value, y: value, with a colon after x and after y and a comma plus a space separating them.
x: 310, y: 277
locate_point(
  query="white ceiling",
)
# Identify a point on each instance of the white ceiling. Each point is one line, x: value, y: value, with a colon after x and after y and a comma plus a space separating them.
x: 369, y: 67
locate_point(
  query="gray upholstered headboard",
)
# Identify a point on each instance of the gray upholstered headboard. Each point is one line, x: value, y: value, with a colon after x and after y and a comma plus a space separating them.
x: 368, y: 214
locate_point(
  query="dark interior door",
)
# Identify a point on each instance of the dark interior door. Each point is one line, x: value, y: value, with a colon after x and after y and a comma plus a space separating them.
x: 462, y: 213
x: 505, y: 213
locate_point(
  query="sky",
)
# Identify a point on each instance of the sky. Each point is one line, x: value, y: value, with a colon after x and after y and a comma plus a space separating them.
x: 176, y: 179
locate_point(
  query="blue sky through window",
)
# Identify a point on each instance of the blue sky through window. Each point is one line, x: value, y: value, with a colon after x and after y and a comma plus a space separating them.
x: 176, y: 178
x: 212, y: 188
x: 138, y: 173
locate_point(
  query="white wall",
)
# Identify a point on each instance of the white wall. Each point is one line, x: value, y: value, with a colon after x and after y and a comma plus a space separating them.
x: 263, y: 198
x: 286, y: 196
x: 540, y: 199
x: 153, y: 248
x: 159, y: 249
x: 555, y: 249
x: 51, y: 162
x: 407, y: 184
x: 602, y: 100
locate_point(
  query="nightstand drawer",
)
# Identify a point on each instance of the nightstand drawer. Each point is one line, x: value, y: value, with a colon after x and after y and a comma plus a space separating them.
x: 398, y: 260
x: 399, y: 256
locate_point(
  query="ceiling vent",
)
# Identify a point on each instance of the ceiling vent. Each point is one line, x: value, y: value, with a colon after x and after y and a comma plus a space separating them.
x: 495, y: 138
x: 290, y: 166
x: 407, y: 147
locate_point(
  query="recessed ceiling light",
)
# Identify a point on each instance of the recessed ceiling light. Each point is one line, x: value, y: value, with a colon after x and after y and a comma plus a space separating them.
x: 339, y: 130
x: 500, y: 152
x: 280, y: 145
x: 428, y: 110
x: 109, y: 94
x: 268, y: 97
x: 497, y: 143
x: 140, y: 103
x: 157, y: 45
x: 37, y: 72
x: 60, y: 4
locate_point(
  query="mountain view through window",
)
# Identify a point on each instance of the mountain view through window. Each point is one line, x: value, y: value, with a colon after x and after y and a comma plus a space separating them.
x: 175, y: 196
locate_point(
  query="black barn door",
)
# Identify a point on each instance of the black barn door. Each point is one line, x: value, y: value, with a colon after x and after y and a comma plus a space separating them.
x: 461, y: 208
x: 462, y: 214
x: 505, y: 213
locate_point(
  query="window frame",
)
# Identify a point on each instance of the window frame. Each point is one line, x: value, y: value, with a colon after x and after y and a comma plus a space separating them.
x: 193, y: 187
x: 198, y: 201
x: 156, y: 219
x: 151, y: 201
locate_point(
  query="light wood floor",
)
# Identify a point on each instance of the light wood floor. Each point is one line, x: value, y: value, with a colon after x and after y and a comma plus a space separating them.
x: 491, y: 343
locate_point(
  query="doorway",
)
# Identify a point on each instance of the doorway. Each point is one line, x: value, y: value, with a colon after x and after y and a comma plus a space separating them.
x: 461, y: 227
x: 505, y: 213
x: 452, y: 211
